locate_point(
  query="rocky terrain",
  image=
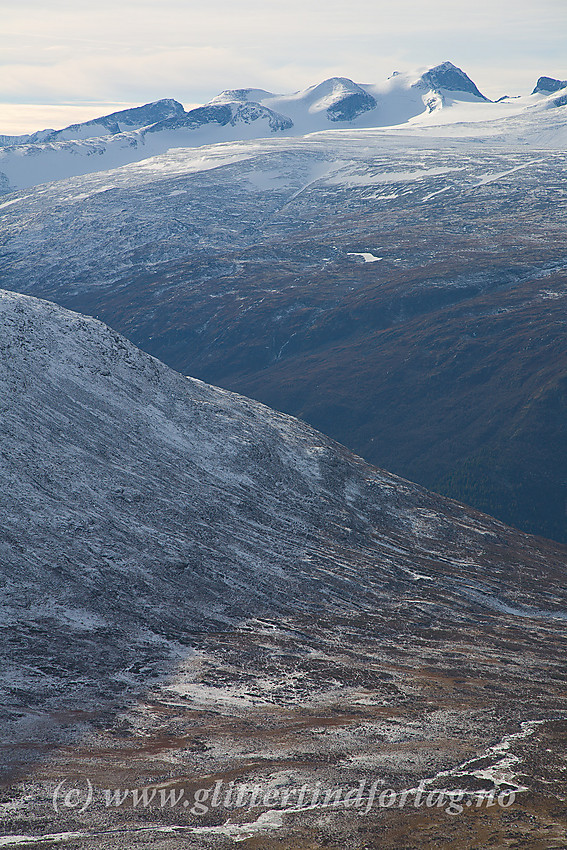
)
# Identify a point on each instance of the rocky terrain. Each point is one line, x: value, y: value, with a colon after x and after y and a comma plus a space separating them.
x: 403, y: 295
x: 200, y: 590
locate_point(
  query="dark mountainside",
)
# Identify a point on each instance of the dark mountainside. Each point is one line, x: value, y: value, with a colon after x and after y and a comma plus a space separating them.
x: 198, y: 589
x: 548, y: 85
x: 444, y: 361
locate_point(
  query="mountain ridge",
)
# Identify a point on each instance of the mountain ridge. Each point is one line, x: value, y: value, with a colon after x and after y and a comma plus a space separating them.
x: 441, y: 95
x: 188, y: 575
x: 549, y: 85
x: 112, y: 124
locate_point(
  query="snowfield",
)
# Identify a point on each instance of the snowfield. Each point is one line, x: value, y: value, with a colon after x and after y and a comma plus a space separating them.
x: 439, y: 101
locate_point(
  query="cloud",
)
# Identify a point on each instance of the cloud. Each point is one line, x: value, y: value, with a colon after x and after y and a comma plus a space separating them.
x: 140, y: 50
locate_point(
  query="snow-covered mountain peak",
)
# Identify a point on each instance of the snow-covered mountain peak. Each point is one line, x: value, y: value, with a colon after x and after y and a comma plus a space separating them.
x: 242, y: 95
x: 340, y: 98
x: 448, y: 77
x: 335, y: 99
x: 334, y: 88
x: 445, y: 78
x: 549, y: 85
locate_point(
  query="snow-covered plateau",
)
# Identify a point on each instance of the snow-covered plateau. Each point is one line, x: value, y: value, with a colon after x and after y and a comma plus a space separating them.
x: 438, y: 101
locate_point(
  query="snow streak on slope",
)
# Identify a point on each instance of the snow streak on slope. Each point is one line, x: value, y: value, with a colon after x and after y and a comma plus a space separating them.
x: 77, y: 236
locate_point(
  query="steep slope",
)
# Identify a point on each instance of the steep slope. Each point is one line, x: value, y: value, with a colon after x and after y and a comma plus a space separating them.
x: 448, y: 78
x: 106, y: 125
x: 245, y: 266
x: 198, y: 586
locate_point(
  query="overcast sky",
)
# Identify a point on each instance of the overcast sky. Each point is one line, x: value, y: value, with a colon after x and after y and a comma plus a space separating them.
x: 72, y: 59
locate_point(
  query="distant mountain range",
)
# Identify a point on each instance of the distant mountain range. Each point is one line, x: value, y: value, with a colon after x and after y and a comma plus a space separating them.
x: 244, y: 264
x: 442, y: 94
x: 335, y: 100
x: 143, y: 510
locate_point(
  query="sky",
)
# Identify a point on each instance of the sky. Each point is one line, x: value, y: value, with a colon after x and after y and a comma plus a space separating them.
x: 68, y: 60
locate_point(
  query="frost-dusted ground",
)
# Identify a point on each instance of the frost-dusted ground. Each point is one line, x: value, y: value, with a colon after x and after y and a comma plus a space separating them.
x: 197, y: 587
x: 242, y: 264
x: 442, y: 102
